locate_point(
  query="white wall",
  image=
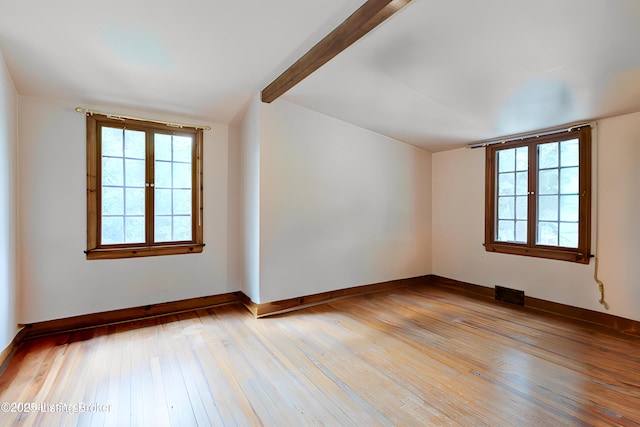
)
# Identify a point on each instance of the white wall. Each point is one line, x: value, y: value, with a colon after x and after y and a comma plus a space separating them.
x: 340, y: 206
x: 326, y: 205
x: 250, y: 184
x: 8, y: 207
x: 619, y: 211
x: 234, y: 210
x: 358, y: 214
x: 57, y: 280
x: 458, y: 228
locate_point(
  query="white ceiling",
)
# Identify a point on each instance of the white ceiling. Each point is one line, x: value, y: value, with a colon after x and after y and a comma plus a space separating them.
x: 438, y: 74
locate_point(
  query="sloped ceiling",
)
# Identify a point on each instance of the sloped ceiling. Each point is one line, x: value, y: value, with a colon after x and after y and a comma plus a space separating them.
x: 439, y: 74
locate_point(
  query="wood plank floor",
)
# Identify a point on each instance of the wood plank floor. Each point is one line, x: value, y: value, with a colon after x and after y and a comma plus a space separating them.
x: 410, y: 357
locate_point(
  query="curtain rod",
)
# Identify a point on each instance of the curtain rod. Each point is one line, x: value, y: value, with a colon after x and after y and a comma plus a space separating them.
x: 527, y: 135
x: 121, y: 116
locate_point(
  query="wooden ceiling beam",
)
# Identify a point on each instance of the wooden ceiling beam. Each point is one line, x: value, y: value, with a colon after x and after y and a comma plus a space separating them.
x: 371, y: 14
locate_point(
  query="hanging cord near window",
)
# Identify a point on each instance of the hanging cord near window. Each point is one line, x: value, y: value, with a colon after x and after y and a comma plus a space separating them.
x: 600, y: 285
x: 597, y: 222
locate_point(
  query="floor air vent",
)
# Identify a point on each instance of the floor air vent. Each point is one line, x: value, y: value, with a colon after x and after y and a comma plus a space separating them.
x: 509, y: 295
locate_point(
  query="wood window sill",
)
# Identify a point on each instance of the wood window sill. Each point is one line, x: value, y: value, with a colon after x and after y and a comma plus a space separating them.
x: 144, y: 251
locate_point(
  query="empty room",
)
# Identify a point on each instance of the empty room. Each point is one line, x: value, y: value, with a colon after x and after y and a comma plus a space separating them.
x: 336, y: 212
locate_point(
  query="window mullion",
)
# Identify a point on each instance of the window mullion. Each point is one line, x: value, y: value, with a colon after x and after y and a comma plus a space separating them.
x: 124, y: 182
x: 559, y: 173
x: 532, y: 220
x: 150, y: 194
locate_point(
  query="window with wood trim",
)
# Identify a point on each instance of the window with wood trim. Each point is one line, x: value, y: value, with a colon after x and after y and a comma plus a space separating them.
x: 144, y: 189
x: 538, y: 196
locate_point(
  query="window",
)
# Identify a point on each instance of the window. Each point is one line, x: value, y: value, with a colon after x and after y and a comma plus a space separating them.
x: 538, y: 196
x: 144, y: 191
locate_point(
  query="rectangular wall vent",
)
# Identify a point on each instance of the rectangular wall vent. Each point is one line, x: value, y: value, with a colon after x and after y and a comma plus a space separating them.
x: 509, y: 295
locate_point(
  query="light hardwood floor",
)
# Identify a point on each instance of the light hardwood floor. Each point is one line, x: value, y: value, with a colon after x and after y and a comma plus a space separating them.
x: 412, y: 357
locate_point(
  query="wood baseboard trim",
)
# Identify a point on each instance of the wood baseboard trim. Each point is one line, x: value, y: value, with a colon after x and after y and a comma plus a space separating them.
x: 462, y: 286
x: 93, y: 320
x: 87, y: 321
x: 620, y: 324
x: 282, y: 306
x: 7, y: 354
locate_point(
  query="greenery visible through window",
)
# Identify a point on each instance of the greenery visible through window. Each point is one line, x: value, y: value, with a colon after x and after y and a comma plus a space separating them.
x: 144, y: 192
x: 538, y: 196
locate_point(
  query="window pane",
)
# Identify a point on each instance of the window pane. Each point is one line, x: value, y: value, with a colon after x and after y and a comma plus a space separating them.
x: 548, y: 208
x: 111, y: 142
x: 112, y: 201
x: 547, y: 233
x: 173, y: 182
x: 569, y: 234
x: 134, y: 144
x: 134, y: 201
x: 506, y: 231
x: 112, y: 230
x: 507, y: 160
x: 162, y: 174
x: 522, y: 158
x: 521, y: 207
x: 569, y: 153
x: 134, y: 173
x: 506, y: 184
x: 548, y: 155
x: 522, y: 183
x: 569, y: 208
x: 162, y: 229
x: 506, y: 207
x: 182, y: 149
x: 182, y: 175
x: 162, y: 146
x: 123, y: 186
x: 569, y: 181
x: 162, y: 202
x: 112, y: 171
x: 181, y: 228
x: 182, y: 202
x: 521, y: 231
x: 134, y: 229
x: 548, y: 182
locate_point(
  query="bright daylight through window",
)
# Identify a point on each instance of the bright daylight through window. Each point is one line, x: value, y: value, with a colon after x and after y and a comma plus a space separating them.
x: 144, y: 192
x: 538, y: 196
